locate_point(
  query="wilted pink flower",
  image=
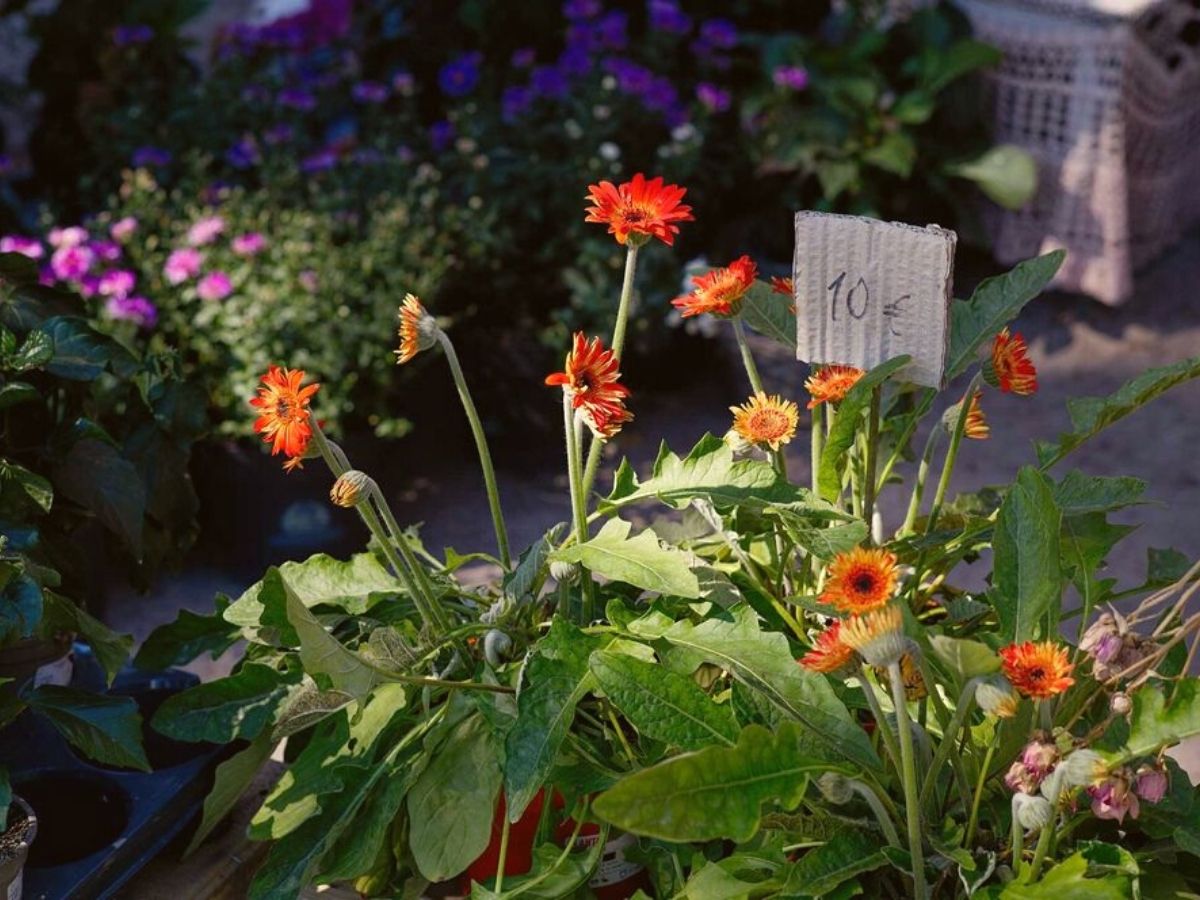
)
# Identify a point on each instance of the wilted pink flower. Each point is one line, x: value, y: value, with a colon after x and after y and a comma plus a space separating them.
x: 15, y: 243
x: 71, y: 262
x: 249, y: 244
x: 1037, y: 760
x: 67, y: 237
x: 1112, y: 647
x: 132, y: 309
x: 182, y: 264
x: 205, y: 231
x: 1151, y: 783
x: 214, y: 286
x: 1114, y: 797
x: 117, y: 283
x: 123, y: 229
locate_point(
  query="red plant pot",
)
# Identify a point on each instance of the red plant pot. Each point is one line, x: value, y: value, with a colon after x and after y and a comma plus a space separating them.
x: 521, y: 835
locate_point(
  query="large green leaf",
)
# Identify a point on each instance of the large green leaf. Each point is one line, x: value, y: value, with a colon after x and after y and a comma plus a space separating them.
x: 80, y: 352
x: 846, y: 423
x: 110, y: 649
x: 1091, y: 415
x: 1078, y: 493
x: 450, y: 806
x: 995, y: 303
x: 181, y: 641
x: 104, y: 728
x: 354, y: 585
x: 763, y: 661
x: 848, y: 853
x: 1097, y: 872
x: 98, y: 478
x: 525, y: 578
x: 713, y: 793
x: 323, y: 654
x: 770, y: 314
x: 821, y: 539
x: 1154, y: 723
x: 641, y: 560
x: 261, y: 612
x: 1027, y: 559
x: 34, y: 486
x: 661, y: 704
x: 239, y: 706
x: 231, y: 780
x: 1007, y: 174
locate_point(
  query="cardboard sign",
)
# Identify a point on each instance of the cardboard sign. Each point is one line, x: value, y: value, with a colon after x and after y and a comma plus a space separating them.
x: 867, y: 291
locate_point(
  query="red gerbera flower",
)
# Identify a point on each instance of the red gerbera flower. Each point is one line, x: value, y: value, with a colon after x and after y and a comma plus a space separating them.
x: 639, y: 209
x: 592, y: 377
x: 1038, y: 670
x: 283, y: 413
x: 829, y: 384
x: 780, y: 285
x: 830, y: 653
x: 1010, y: 367
x: 719, y: 291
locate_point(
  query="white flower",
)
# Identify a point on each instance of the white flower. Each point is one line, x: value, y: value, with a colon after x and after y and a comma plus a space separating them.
x: 609, y: 151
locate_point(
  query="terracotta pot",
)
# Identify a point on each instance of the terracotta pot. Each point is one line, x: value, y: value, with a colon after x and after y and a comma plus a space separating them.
x: 14, y: 847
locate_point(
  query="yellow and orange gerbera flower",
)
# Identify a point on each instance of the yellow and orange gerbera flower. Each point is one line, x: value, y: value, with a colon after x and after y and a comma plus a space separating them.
x: 416, y: 329
x: 284, y: 416
x: 1010, y: 367
x: 720, y: 291
x: 592, y: 377
x: 861, y: 580
x: 830, y: 653
x: 977, y: 427
x: 639, y: 209
x: 829, y: 384
x: 1037, y: 670
x: 766, y: 421
x: 781, y: 285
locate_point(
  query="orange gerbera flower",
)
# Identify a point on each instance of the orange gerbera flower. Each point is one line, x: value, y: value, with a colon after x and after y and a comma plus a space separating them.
x: 592, y: 378
x: 720, y: 291
x: 861, y: 579
x: 416, y: 329
x: 977, y: 426
x: 780, y: 285
x: 1010, y: 367
x: 1038, y: 670
x: 639, y: 209
x: 283, y: 413
x: 829, y: 384
x: 877, y: 636
x: 766, y: 420
x: 830, y: 653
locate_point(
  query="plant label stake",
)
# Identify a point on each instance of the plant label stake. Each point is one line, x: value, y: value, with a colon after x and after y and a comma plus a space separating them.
x: 867, y: 291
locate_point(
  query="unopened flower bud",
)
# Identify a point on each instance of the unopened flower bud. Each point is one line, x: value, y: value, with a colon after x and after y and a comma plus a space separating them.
x: 418, y: 329
x: 835, y: 788
x: 997, y: 697
x: 496, y: 647
x: 351, y: 488
x: 1120, y: 704
x: 1084, y: 767
x: 563, y: 572
x: 1033, y: 812
x: 1151, y: 783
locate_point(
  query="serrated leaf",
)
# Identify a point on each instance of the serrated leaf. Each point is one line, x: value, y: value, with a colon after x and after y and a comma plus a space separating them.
x: 1027, y: 557
x: 848, y: 853
x: 715, y: 793
x: 1155, y: 723
x: 661, y: 704
x: 238, y: 706
x: 771, y: 314
x: 822, y: 542
x: 1085, y: 875
x: 640, y: 560
x: 104, y: 728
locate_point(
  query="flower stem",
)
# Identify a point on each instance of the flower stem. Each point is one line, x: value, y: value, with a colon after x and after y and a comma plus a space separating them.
x: 818, y: 445
x: 481, y: 445
x: 912, y: 807
x: 504, y: 832
x: 960, y: 426
x: 872, y: 799
x: 966, y: 701
x: 973, y: 821
x: 885, y: 730
x: 918, y: 494
x: 572, y: 432
x: 871, y: 461
x: 739, y: 332
x: 1018, y: 841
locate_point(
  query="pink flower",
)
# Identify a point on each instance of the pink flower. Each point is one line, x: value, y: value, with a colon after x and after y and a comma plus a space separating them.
x: 249, y: 244
x: 214, y: 286
x: 182, y: 264
x: 132, y: 309
x: 71, y: 262
x: 109, y: 251
x: 1151, y: 783
x: 67, y: 237
x: 205, y: 231
x: 123, y: 229
x: 1114, y: 797
x: 117, y: 283
x: 1037, y: 760
x: 15, y: 243
x: 89, y: 285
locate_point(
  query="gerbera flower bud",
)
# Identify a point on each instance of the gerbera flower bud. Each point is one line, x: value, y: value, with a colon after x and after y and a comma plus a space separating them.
x: 877, y: 636
x: 1151, y: 782
x: 284, y: 416
x: 861, y: 580
x: 830, y: 653
x: 1038, y: 670
x: 766, y: 420
x: 836, y: 788
x: 1009, y: 367
x: 719, y: 292
x: 351, y: 489
x: 829, y: 384
x: 592, y: 378
x: 997, y: 697
x: 563, y: 572
x: 976, y: 426
x: 1033, y: 812
x: 1114, y: 797
x: 1083, y: 767
x: 418, y: 329
x: 639, y: 209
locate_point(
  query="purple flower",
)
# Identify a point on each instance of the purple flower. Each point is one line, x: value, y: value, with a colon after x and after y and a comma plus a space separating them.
x: 321, y: 161
x: 214, y: 286
x: 71, y: 263
x: 1114, y: 797
x: 67, y: 237
x: 182, y: 264
x: 459, y: 77
x: 631, y: 77
x: 611, y: 30
x: 405, y: 154
x: 369, y: 92
x: 403, y: 83
x: 127, y: 35
x: 665, y: 15
x: 1151, y: 783
x: 441, y: 133
x: 573, y: 61
x: 138, y: 310
x: 117, y: 283
x: 794, y: 78
x: 660, y: 95
x: 279, y: 133
x: 205, y: 231
x: 123, y: 229
x: 296, y: 98
x: 715, y: 99
x: 523, y: 58
x: 581, y: 9
x: 244, y: 154
x: 109, y: 251
x: 150, y: 156
x: 548, y: 81
x: 514, y: 101
x: 250, y: 244
x: 26, y: 246
x: 719, y: 33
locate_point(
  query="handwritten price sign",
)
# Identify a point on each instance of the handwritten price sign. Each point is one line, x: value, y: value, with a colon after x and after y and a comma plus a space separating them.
x: 867, y: 291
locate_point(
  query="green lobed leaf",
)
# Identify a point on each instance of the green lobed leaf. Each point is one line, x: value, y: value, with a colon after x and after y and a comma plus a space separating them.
x: 846, y: 422
x: 995, y: 303
x: 661, y: 704
x: 238, y: 706
x: 821, y: 542
x: 1155, y: 723
x: 848, y: 853
x: 232, y: 779
x: 1027, y: 558
x: 179, y: 642
x: 105, y: 728
x: 771, y: 314
x: 1078, y: 493
x: 1097, y: 872
x: 640, y: 560
x: 353, y: 585
x: 714, y: 793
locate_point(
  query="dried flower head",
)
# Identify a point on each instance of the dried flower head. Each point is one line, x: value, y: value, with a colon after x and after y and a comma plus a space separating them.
x: 639, y: 209
x: 1114, y: 797
x: 1033, y: 812
x: 284, y: 416
x: 861, y: 580
x: 1037, y: 670
x: 829, y: 384
x: 830, y: 653
x: 719, y: 292
x: 766, y: 421
x: 1010, y: 367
